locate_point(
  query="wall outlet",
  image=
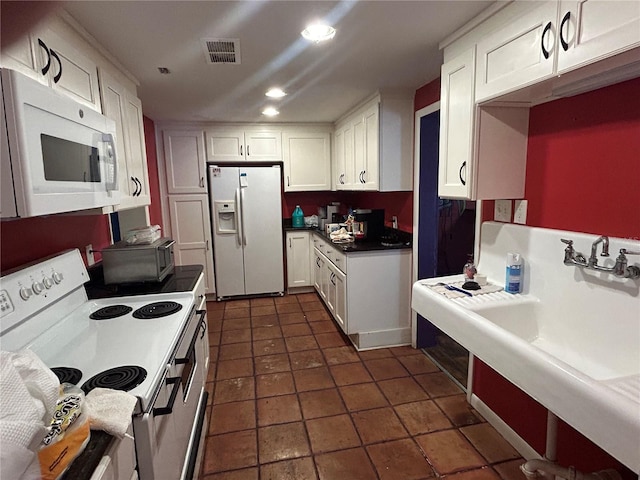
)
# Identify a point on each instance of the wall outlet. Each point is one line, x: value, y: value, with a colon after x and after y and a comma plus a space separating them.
x: 520, y: 212
x: 502, y: 211
x: 88, y: 250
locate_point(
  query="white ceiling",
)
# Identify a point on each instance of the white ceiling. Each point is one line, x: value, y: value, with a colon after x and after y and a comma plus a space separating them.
x: 378, y: 45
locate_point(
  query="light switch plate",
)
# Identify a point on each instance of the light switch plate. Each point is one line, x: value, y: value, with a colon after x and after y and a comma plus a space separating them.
x: 502, y: 211
x: 520, y: 212
x: 89, y: 252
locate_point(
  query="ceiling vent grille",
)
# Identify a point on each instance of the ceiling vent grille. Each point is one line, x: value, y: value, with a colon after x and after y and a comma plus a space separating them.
x: 222, y: 50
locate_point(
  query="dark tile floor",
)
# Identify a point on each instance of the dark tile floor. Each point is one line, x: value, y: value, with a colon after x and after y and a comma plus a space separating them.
x: 291, y: 399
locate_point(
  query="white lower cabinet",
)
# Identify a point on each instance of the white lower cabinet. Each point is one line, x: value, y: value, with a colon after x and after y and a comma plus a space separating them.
x: 298, y: 259
x: 191, y: 229
x: 367, y: 293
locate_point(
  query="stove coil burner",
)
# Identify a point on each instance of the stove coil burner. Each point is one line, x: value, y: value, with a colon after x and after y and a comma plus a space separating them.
x: 112, y: 311
x: 67, y: 374
x: 119, y: 378
x: 157, y: 310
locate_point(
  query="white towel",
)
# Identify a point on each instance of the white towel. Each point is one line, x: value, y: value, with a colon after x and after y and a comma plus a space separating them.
x: 28, y: 394
x: 109, y: 410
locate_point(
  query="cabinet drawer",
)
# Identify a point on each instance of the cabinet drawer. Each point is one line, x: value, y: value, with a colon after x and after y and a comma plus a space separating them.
x: 339, y: 259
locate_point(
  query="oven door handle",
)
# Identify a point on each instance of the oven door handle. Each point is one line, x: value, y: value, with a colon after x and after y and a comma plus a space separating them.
x: 172, y: 398
x: 182, y: 361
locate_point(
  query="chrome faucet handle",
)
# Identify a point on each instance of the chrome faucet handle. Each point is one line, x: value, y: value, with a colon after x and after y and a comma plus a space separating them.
x: 621, y: 268
x: 568, y: 242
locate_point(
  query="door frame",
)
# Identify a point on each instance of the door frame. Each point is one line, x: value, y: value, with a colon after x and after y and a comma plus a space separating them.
x: 423, y: 112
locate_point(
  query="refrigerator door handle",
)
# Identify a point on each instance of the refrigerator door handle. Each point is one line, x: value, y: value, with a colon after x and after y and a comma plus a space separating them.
x: 244, y: 234
x: 239, y: 226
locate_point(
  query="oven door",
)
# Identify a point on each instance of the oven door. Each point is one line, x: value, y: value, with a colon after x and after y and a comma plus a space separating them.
x: 163, y: 433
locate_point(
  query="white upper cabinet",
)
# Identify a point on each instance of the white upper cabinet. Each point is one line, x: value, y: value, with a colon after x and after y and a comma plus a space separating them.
x: 593, y: 29
x: 57, y: 62
x: 239, y: 143
x: 526, y: 43
x: 185, y: 162
x: 483, y: 149
x: 373, y: 145
x: 126, y: 110
x: 456, y: 126
x: 307, y: 159
x: 519, y: 53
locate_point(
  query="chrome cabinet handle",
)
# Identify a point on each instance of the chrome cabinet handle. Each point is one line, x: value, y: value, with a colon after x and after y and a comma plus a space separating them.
x: 289, y: 242
x: 364, y: 180
x: 545, y: 52
x: 247, y: 150
x: 201, y: 182
x: 288, y: 184
x: 563, y: 42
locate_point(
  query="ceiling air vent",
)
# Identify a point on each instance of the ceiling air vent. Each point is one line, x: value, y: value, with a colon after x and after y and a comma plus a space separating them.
x: 222, y: 50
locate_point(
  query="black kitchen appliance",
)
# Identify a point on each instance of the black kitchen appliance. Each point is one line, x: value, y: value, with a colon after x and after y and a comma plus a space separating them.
x: 373, y: 220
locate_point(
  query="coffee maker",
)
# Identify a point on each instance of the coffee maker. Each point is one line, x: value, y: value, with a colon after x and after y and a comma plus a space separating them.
x: 372, y: 220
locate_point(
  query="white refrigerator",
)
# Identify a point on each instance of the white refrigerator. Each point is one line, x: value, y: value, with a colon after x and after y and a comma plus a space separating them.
x: 246, y: 209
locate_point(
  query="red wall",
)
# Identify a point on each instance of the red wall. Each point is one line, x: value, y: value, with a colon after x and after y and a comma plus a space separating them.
x: 399, y: 204
x: 155, y: 210
x: 29, y: 239
x: 583, y: 167
x: 427, y: 94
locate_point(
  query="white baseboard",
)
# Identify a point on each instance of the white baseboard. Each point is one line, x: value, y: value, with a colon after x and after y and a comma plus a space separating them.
x: 383, y: 338
x: 505, y: 430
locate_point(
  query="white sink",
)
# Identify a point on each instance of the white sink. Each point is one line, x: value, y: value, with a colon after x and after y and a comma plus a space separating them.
x: 571, y: 340
x: 600, y: 355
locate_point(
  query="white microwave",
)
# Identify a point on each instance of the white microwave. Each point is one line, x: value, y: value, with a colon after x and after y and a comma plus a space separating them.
x: 57, y: 155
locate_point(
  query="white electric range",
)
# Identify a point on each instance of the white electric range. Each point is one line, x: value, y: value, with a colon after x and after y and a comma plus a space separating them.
x: 152, y: 346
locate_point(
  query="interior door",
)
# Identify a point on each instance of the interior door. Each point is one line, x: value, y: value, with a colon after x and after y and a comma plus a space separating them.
x: 261, y: 223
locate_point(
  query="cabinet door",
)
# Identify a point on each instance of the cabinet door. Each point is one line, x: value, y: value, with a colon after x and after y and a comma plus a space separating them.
x: 345, y: 158
x: 70, y: 72
x: 185, y: 162
x: 137, y: 152
x: 518, y: 54
x: 593, y: 29
x: 340, y: 305
x: 298, y: 259
x: 319, y: 276
x: 191, y: 229
x: 225, y: 145
x: 369, y: 178
x: 307, y: 160
x: 263, y: 145
x: 331, y: 287
x: 456, y: 126
x: 19, y: 56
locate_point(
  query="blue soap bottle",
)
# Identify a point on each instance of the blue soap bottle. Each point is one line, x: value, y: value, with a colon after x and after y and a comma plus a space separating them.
x: 513, y: 280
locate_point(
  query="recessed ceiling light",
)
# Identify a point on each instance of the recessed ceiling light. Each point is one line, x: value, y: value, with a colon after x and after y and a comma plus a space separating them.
x: 270, y: 112
x: 319, y: 32
x: 275, y: 93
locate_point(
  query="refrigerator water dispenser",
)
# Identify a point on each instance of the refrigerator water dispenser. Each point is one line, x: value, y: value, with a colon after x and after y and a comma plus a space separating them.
x: 225, y: 211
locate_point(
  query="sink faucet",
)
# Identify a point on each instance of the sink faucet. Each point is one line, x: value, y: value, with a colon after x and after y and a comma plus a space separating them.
x: 571, y: 257
x: 620, y: 269
x: 593, y: 259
